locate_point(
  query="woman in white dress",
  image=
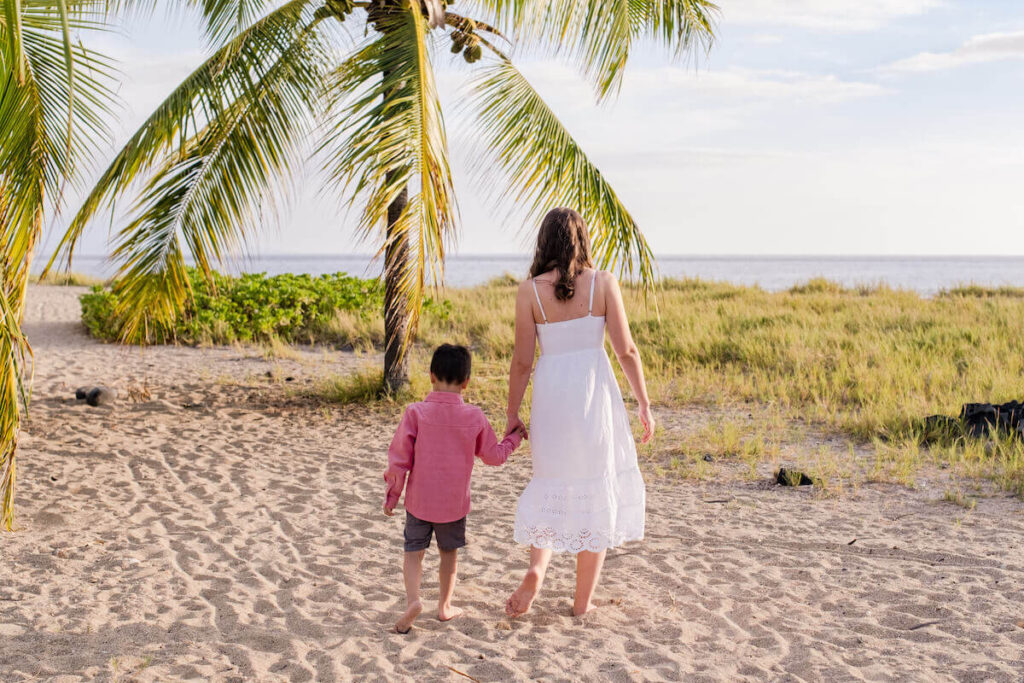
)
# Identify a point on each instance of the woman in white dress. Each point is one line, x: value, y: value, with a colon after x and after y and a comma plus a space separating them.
x: 586, y: 494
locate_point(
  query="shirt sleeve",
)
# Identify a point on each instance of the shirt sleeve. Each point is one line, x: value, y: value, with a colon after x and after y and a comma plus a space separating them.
x: 489, y: 449
x: 400, y: 457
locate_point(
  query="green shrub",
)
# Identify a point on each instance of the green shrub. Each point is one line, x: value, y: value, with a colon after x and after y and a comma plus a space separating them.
x: 249, y: 308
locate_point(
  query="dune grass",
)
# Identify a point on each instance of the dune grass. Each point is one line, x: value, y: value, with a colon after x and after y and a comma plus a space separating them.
x: 980, y: 291
x: 67, y: 280
x: 867, y: 362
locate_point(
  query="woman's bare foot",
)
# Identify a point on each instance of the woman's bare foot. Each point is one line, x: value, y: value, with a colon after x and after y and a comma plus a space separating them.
x: 405, y: 623
x: 519, y: 602
x: 447, y: 613
x: 576, y: 612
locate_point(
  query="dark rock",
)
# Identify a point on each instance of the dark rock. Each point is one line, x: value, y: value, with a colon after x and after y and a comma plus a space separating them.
x: 977, y: 420
x: 708, y: 458
x: 786, y: 477
x: 101, y: 396
x: 81, y: 393
x: 982, y: 419
x: 289, y: 379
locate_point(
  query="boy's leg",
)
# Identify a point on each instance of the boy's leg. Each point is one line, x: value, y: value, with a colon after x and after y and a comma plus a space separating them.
x: 412, y: 572
x: 588, y: 571
x: 417, y: 539
x: 449, y: 566
x: 519, y: 602
x: 450, y: 537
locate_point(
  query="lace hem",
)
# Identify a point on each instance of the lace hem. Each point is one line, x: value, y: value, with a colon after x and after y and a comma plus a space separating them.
x: 542, y: 536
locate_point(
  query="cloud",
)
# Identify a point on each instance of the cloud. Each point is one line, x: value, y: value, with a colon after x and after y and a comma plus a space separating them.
x: 832, y: 15
x: 663, y: 85
x: 990, y: 47
x: 750, y: 84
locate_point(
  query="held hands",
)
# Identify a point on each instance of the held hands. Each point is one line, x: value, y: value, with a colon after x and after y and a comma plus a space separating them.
x: 647, y: 419
x: 515, y: 424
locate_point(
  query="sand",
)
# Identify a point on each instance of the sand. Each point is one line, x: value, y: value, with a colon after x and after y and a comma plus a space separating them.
x: 216, y: 525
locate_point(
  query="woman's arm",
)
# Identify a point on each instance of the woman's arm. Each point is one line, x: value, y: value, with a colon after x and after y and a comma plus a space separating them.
x: 522, y: 355
x: 626, y: 351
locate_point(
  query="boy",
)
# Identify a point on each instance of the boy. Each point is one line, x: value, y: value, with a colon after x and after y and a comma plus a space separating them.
x: 435, y: 445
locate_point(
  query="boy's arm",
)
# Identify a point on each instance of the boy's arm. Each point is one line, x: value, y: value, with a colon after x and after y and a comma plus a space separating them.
x: 400, y: 457
x: 489, y: 449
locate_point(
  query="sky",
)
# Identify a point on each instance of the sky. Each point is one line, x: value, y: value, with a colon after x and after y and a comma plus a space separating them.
x: 836, y: 127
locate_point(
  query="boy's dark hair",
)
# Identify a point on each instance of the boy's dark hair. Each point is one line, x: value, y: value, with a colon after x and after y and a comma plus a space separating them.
x: 451, y: 363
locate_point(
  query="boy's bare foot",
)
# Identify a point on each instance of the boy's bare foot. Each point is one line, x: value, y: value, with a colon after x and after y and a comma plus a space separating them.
x: 404, y: 624
x: 519, y: 602
x: 448, y: 613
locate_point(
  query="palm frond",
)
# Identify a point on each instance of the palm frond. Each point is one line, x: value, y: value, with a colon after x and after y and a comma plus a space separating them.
x: 545, y: 167
x: 49, y: 120
x: 599, y: 35
x: 15, y: 383
x: 53, y: 98
x: 14, y: 53
x: 224, y: 19
x: 205, y: 198
x: 16, y: 240
x: 391, y: 138
x: 202, y: 97
x: 56, y: 115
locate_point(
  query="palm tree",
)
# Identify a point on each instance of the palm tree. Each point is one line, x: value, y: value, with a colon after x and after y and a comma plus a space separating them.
x: 357, y: 76
x: 53, y: 101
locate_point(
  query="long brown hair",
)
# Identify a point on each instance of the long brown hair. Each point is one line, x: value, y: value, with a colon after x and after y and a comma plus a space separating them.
x: 563, y: 244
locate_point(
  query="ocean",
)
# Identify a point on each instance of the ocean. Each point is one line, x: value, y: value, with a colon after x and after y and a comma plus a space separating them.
x: 924, y: 274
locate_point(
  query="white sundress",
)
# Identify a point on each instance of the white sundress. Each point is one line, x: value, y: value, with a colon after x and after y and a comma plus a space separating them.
x: 586, y: 492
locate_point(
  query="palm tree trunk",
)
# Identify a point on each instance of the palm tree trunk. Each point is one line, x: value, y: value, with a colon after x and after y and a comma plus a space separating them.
x: 397, y: 262
x: 396, y: 303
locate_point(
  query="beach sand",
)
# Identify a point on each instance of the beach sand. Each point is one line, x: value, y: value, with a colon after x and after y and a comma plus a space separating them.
x: 215, y: 525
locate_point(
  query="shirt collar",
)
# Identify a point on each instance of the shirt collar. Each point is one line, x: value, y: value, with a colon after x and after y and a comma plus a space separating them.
x: 444, y: 397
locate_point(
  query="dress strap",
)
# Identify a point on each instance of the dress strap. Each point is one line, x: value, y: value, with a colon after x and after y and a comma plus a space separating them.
x: 539, y: 304
x: 590, y: 308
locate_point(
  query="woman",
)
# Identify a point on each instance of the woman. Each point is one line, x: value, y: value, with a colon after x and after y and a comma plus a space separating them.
x: 586, y: 494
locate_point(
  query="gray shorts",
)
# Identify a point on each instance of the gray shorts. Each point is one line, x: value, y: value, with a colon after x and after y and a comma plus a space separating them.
x: 450, y: 535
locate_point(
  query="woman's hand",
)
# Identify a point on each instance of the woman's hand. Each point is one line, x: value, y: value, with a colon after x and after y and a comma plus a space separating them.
x: 516, y: 424
x: 647, y: 419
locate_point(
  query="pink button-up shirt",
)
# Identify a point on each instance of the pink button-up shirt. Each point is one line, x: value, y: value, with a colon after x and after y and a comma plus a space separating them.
x: 435, y: 445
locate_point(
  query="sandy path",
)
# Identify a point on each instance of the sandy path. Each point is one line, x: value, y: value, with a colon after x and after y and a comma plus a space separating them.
x: 239, y: 538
